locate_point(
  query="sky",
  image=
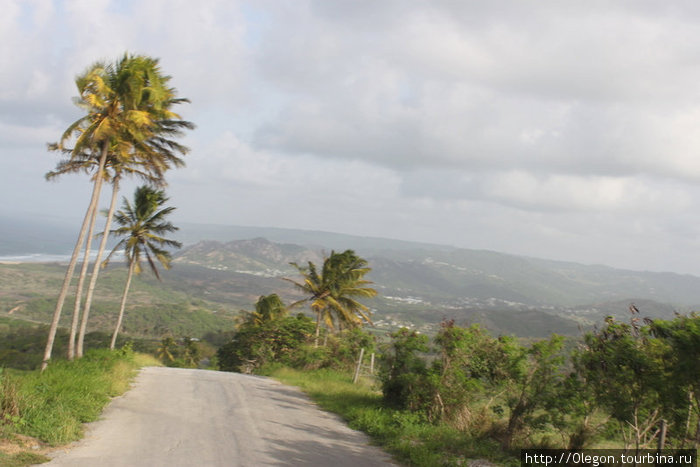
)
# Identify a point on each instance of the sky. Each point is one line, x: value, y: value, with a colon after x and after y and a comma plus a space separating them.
x: 554, y: 129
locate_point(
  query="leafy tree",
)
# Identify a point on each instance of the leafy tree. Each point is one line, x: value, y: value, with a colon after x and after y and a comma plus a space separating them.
x: 682, y: 396
x: 255, y: 345
x: 142, y: 226
x: 624, y: 366
x: 403, y: 371
x: 147, y: 157
x: 532, y: 383
x: 574, y: 410
x: 192, y: 354
x: 332, y: 292
x: 127, y: 105
x: 471, y: 364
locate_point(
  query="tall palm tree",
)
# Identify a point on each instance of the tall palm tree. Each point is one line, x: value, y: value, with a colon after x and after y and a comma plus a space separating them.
x: 155, y: 155
x: 115, y: 165
x: 141, y: 228
x: 331, y: 293
x: 127, y: 102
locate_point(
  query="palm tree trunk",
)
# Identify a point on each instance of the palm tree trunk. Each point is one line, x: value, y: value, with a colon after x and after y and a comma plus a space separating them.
x: 97, y: 187
x: 318, y: 328
x: 96, y: 268
x: 123, y: 304
x: 79, y: 290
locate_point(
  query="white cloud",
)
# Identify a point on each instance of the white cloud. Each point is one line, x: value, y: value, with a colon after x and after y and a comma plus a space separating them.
x: 539, y: 128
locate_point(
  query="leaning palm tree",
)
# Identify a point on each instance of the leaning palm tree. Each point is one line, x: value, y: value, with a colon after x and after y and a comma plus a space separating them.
x: 77, y: 163
x: 117, y: 163
x: 126, y: 102
x: 154, y: 154
x: 331, y: 293
x: 141, y: 228
x: 148, y: 160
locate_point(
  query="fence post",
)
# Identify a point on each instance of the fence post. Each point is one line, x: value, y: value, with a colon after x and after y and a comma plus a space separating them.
x: 371, y: 364
x: 359, y: 365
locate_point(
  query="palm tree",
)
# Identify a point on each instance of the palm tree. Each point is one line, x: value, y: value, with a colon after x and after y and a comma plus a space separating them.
x: 80, y: 162
x: 267, y: 308
x: 166, y: 349
x: 331, y: 293
x: 128, y: 105
x: 87, y: 162
x: 155, y: 155
x: 192, y: 352
x: 141, y: 226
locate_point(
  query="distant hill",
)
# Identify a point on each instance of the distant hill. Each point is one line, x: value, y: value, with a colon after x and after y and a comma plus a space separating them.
x: 484, y: 274
x: 224, y: 269
x: 459, y: 275
x: 256, y: 256
x: 314, y: 239
x: 508, y: 294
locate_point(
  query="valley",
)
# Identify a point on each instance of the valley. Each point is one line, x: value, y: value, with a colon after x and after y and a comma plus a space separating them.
x: 419, y: 286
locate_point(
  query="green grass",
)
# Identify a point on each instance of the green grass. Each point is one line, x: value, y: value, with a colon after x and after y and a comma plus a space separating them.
x: 21, y: 459
x: 406, y: 435
x: 53, y: 406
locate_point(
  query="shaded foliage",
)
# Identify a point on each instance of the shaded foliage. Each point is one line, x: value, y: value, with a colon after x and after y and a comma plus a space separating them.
x: 621, y: 381
x: 255, y: 345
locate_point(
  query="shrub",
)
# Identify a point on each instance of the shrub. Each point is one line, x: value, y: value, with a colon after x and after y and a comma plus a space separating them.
x: 255, y: 345
x: 404, y: 373
x: 339, y: 352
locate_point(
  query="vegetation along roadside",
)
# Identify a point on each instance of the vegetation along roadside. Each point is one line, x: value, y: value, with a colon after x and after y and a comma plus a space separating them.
x: 465, y: 395
x: 39, y: 411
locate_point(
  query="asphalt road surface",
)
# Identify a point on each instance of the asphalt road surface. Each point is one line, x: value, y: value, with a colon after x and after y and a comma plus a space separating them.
x: 178, y: 417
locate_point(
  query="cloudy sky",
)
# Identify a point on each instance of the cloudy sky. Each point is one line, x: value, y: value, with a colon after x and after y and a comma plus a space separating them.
x: 563, y: 130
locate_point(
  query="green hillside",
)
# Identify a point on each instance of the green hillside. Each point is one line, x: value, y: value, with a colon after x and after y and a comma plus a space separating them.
x: 29, y: 291
x: 419, y: 287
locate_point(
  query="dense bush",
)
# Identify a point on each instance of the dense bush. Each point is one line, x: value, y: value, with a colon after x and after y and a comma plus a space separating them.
x: 622, y: 381
x: 255, y: 345
x: 404, y: 372
x: 290, y: 341
x: 339, y: 351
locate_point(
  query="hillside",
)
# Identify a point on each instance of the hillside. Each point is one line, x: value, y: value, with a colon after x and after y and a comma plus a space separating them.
x: 29, y: 291
x: 461, y: 276
x: 419, y: 285
x: 508, y: 294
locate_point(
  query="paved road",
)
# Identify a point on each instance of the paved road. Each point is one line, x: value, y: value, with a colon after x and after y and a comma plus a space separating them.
x: 177, y: 417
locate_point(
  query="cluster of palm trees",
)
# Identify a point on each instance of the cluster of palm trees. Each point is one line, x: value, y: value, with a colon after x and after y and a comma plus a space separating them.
x: 127, y: 130
x: 332, y: 291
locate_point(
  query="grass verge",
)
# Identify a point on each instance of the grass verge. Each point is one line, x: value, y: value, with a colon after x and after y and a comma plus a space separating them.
x: 49, y: 408
x: 409, y: 437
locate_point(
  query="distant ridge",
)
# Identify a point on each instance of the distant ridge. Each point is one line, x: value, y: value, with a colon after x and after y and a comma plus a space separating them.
x: 459, y: 278
x: 437, y: 272
x: 192, y: 233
